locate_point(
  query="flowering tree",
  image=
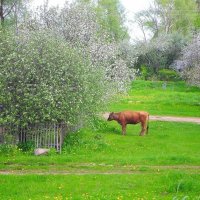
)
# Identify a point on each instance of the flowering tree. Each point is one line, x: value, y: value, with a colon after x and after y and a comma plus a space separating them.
x: 160, y: 52
x: 168, y: 16
x: 42, y: 79
x: 11, y: 10
x: 59, y: 67
x: 189, y: 62
x: 78, y: 25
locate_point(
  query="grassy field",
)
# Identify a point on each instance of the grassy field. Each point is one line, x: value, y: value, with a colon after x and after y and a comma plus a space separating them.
x: 103, y: 164
x: 168, y: 185
x: 159, y: 98
x: 168, y: 143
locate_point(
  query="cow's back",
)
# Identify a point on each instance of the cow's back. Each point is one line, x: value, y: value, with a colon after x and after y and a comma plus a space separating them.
x: 133, y: 117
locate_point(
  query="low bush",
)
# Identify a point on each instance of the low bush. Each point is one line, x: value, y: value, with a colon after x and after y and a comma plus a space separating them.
x: 168, y: 75
x: 84, y: 140
x: 8, y: 150
x: 26, y: 146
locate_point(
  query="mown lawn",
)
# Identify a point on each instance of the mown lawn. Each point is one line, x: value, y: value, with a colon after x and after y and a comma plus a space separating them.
x: 159, y: 98
x: 103, y: 164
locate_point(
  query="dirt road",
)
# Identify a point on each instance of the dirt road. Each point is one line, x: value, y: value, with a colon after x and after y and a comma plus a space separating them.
x: 168, y: 118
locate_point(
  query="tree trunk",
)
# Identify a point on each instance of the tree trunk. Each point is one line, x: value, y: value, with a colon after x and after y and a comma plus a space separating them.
x: 1, y: 13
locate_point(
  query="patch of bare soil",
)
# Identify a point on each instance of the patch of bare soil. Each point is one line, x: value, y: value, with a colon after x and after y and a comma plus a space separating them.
x: 128, y: 169
x: 175, y: 119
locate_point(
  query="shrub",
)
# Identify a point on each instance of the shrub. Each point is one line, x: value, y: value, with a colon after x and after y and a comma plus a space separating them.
x: 85, y: 140
x: 144, y: 72
x: 188, y: 62
x: 8, y: 150
x: 56, y: 72
x: 160, y: 52
x: 26, y: 146
x: 43, y: 79
x: 168, y: 75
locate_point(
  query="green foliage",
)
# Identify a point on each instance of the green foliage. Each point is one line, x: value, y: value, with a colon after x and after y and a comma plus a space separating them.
x: 185, y: 14
x: 144, y: 72
x: 44, y: 79
x: 159, y: 53
x: 52, y: 152
x: 84, y: 140
x: 26, y: 146
x: 168, y: 75
x: 171, y: 24
x: 197, y: 22
x: 111, y: 17
x: 111, y: 148
x: 8, y: 150
x: 177, y: 15
x: 178, y: 183
x: 98, y: 123
x: 11, y: 12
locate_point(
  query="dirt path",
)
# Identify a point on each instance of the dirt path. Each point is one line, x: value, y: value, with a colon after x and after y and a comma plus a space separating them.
x: 130, y: 169
x: 175, y: 119
x: 169, y: 118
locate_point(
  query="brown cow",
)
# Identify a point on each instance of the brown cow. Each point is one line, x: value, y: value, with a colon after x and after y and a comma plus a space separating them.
x: 131, y: 117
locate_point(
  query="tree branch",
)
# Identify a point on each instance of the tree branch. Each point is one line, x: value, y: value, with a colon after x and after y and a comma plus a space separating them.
x: 9, y: 10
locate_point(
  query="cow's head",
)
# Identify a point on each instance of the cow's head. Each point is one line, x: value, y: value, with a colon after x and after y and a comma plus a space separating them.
x: 111, y: 116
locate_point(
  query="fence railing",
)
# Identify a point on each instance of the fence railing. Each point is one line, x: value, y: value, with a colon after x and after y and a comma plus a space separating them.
x: 42, y: 135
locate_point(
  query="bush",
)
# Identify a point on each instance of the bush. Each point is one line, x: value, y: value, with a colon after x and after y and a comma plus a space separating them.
x: 58, y: 72
x: 188, y: 63
x: 26, y: 146
x: 43, y: 79
x: 8, y: 150
x: 168, y: 75
x: 85, y: 140
x: 144, y: 72
x: 160, y: 52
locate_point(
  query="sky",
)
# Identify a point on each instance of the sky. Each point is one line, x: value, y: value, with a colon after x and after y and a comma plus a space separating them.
x: 131, y: 7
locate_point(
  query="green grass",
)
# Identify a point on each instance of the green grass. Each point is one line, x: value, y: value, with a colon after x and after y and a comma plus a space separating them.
x: 166, y: 185
x: 103, y: 164
x: 176, y: 99
x: 168, y: 143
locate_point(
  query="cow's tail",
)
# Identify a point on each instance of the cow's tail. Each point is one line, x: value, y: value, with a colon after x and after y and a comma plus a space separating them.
x: 147, y: 125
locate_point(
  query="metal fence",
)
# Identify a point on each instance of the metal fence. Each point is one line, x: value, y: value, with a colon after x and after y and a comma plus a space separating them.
x: 42, y: 135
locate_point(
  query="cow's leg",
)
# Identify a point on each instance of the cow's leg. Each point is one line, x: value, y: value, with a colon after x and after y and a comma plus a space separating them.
x: 143, y: 128
x: 123, y: 129
x: 147, y: 124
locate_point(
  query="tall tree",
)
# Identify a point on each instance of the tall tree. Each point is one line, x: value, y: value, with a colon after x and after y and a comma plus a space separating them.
x: 197, y: 21
x: 111, y: 16
x: 56, y: 65
x: 167, y: 16
x: 189, y: 63
x: 6, y: 8
x: 11, y: 9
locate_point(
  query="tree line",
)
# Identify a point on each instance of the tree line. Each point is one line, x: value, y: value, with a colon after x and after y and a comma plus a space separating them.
x: 172, y: 50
